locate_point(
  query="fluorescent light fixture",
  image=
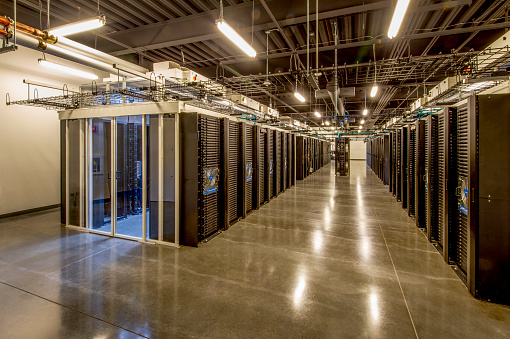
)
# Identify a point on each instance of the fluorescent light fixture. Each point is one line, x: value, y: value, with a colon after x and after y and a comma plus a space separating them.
x: 362, y: 121
x: 299, y: 96
x: 398, y: 17
x: 365, y: 111
x: 66, y: 69
x: 317, y: 114
x: 230, y: 33
x: 79, y: 26
x: 327, y: 123
x: 373, y: 93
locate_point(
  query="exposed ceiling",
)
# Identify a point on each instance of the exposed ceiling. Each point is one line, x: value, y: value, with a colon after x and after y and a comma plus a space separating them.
x: 435, y: 41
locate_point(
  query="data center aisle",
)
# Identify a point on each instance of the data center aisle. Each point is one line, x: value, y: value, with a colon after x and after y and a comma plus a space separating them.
x: 333, y: 257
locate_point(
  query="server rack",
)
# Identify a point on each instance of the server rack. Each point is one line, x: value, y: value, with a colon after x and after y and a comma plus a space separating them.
x: 284, y: 162
x: 300, y: 157
x: 404, y: 169
x: 293, y: 160
x: 447, y: 179
x: 394, y: 162
x: 369, y: 153
x: 288, y: 163
x: 482, y: 244
x: 278, y: 161
x: 200, y: 189
x: 411, y: 170
x: 386, y: 160
x: 342, y: 156
x: 431, y: 168
x: 398, y: 186
x: 229, y: 172
x: 246, y: 139
x: 419, y: 167
x: 271, y: 164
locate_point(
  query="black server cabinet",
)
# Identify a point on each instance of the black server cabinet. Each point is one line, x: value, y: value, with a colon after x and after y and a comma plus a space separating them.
x: 300, y: 157
x: 271, y: 164
x: 229, y: 172
x: 278, y: 162
x: 293, y: 159
x: 288, y: 163
x: 342, y: 156
x: 447, y: 179
x: 404, y: 169
x: 257, y: 194
x: 411, y: 170
x: 483, y: 224
x: 369, y: 153
x: 386, y: 159
x: 398, y: 186
x: 394, y: 162
x: 246, y: 139
x: 262, y: 166
x: 431, y: 168
x: 284, y: 162
x: 419, y: 160
x: 201, y: 203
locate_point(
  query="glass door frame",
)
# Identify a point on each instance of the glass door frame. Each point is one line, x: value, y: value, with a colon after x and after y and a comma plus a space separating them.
x: 85, y: 116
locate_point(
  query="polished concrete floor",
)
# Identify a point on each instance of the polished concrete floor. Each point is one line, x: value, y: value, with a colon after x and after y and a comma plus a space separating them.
x: 333, y: 257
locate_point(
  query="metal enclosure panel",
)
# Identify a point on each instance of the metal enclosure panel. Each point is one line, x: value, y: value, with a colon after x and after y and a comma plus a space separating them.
x: 450, y: 181
x: 241, y: 202
x: 491, y: 198
x: 278, y: 164
x: 284, y: 162
x: 188, y: 124
x: 248, y: 168
x: 63, y: 195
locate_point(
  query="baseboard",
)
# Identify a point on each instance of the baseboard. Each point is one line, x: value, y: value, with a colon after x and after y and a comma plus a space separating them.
x: 32, y: 210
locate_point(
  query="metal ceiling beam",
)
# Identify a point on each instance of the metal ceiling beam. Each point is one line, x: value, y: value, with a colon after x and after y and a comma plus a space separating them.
x: 166, y: 31
x: 381, y: 41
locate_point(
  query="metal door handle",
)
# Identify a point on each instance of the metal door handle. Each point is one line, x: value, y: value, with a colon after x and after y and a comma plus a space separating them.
x: 109, y: 174
x: 117, y: 175
x: 457, y: 191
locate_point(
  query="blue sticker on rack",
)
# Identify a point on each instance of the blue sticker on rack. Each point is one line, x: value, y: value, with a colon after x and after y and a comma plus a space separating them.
x: 463, y: 209
x: 211, y: 177
x: 248, y: 179
x: 466, y: 192
x: 211, y: 190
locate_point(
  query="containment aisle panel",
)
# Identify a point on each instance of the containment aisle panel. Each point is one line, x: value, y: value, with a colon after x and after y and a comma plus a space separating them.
x: 431, y: 168
x: 288, y: 171
x: 419, y: 167
x: 293, y: 160
x: 411, y: 177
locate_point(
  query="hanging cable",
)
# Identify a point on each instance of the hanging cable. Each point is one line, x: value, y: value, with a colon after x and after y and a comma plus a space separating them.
x: 40, y: 15
x: 48, y: 19
x: 221, y: 9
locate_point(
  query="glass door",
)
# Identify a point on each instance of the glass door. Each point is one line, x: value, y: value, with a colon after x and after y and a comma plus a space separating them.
x: 128, y: 175
x: 100, y: 201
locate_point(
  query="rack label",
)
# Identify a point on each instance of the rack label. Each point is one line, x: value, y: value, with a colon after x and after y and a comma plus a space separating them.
x: 211, y: 179
x: 463, y: 209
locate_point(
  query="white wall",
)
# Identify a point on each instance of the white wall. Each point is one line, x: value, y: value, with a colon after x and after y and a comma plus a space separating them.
x: 358, y: 150
x: 29, y: 136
